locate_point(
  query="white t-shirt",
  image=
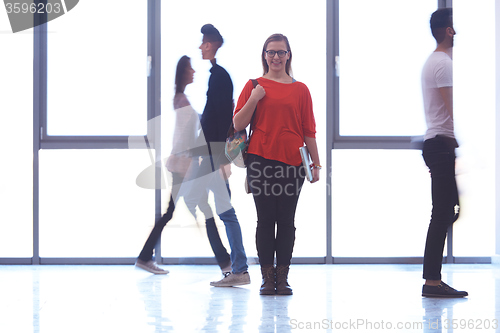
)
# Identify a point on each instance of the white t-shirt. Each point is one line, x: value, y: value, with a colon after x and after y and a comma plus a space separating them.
x: 437, y: 73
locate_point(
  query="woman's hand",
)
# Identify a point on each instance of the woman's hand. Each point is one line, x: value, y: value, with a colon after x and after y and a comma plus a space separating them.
x: 243, y: 118
x: 315, y: 172
x: 313, y: 151
x: 258, y: 92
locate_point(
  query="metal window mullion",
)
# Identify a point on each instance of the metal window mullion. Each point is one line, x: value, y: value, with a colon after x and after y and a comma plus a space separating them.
x: 449, y: 238
x: 154, y: 102
x: 445, y: 3
x: 378, y: 142
x: 334, y: 99
x: 88, y: 142
x: 332, y: 80
x: 39, y: 114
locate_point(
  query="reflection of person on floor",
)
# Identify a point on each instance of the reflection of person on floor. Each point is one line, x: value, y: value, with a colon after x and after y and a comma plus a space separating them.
x: 180, y: 162
x: 215, y: 122
x: 435, y: 309
x: 275, y: 316
x: 151, y: 292
x: 228, y: 310
x: 439, y: 152
x: 283, y: 120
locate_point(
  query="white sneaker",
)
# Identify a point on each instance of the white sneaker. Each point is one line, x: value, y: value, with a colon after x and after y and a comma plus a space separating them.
x: 150, y: 266
x: 231, y: 280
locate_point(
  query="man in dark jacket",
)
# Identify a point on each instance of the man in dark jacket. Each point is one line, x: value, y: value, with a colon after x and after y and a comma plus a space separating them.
x: 213, y: 172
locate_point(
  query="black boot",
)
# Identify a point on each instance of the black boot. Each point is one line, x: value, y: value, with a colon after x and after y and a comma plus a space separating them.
x: 268, y: 280
x: 282, y: 286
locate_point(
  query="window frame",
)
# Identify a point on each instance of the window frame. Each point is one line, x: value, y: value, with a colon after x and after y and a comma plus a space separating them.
x: 41, y: 140
x: 338, y: 141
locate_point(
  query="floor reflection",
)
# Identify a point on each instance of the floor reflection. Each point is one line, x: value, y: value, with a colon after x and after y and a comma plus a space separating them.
x: 150, y: 289
x: 439, y: 314
x: 275, y: 314
x: 228, y: 310
x: 327, y: 298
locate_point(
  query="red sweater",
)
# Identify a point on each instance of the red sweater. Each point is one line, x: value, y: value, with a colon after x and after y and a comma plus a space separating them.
x: 283, y: 117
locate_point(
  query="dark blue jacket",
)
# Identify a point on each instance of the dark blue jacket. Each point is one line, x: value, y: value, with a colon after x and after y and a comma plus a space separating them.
x: 218, y: 112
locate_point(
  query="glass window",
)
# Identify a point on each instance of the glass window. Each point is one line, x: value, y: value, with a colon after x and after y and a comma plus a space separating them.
x: 474, y: 111
x: 16, y: 141
x: 381, y: 203
x: 382, y: 48
x: 304, y: 23
x: 90, y: 204
x: 97, y: 56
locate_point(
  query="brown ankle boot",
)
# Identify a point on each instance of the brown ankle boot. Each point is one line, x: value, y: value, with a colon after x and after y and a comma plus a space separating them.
x: 282, y: 286
x: 268, y: 280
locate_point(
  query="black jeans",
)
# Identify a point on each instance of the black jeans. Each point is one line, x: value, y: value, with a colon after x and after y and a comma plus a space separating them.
x: 276, y: 188
x: 148, y: 248
x: 439, y: 156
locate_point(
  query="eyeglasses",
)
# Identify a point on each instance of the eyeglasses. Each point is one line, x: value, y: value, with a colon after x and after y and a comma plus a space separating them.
x: 272, y: 53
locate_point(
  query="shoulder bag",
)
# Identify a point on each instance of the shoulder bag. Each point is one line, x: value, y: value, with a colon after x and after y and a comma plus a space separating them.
x: 237, y: 142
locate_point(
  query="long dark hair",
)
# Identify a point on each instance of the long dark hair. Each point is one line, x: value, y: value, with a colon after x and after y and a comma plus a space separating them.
x: 180, y: 74
x: 277, y: 38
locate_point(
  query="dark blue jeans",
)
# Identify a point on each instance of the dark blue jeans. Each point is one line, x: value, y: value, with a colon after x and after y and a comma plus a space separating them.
x: 276, y: 188
x: 439, y: 156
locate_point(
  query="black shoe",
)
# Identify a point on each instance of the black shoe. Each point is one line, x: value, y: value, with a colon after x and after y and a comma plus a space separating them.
x: 442, y: 290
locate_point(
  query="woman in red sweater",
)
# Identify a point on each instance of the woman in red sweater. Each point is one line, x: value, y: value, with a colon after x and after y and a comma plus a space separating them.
x: 282, y: 122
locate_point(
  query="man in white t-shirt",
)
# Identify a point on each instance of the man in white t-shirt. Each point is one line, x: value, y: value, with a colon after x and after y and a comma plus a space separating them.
x: 439, y: 152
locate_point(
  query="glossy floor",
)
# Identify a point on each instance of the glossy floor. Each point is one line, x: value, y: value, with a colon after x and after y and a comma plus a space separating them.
x: 327, y: 298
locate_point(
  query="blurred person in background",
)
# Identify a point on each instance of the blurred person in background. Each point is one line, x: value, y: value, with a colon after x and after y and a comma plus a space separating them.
x: 439, y: 152
x: 180, y: 163
x: 214, y: 169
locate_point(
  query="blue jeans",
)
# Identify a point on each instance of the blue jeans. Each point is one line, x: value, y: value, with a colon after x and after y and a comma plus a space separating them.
x: 439, y: 156
x: 208, y: 179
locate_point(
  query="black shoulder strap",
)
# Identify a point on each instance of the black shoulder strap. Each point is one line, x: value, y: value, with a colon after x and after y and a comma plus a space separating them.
x: 255, y: 83
x: 231, y: 130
